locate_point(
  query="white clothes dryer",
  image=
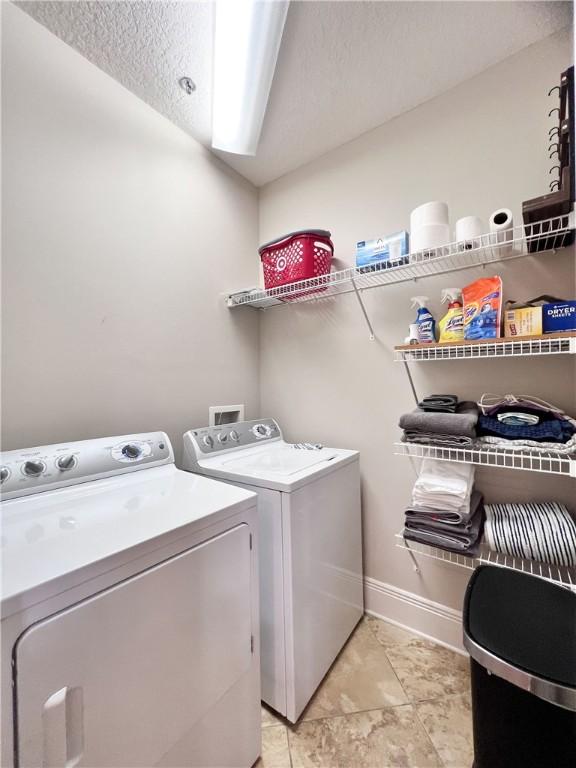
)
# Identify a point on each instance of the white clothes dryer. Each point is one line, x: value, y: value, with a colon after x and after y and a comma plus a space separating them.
x: 129, y: 610
x: 311, y: 593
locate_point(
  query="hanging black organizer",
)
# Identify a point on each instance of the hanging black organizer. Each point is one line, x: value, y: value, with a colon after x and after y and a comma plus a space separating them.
x: 560, y: 200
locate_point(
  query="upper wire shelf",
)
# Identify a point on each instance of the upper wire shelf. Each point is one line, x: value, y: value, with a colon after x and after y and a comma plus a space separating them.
x: 551, y: 462
x: 564, y: 576
x: 522, y: 240
x: 551, y: 344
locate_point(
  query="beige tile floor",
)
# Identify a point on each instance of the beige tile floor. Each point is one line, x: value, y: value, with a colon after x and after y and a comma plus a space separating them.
x: 391, y: 699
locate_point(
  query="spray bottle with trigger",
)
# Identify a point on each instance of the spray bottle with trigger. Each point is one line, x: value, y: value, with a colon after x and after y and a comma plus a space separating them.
x: 452, y: 324
x: 424, y: 321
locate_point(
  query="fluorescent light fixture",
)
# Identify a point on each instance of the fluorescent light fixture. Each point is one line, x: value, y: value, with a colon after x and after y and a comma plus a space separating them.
x: 246, y: 43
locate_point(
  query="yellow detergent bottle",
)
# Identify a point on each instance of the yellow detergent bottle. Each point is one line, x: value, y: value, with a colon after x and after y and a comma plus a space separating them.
x: 452, y: 324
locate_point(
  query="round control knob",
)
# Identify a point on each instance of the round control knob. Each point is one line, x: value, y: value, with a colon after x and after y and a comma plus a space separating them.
x: 208, y: 441
x: 65, y: 463
x: 261, y: 430
x: 234, y: 435
x: 131, y: 451
x: 4, y: 474
x: 222, y: 437
x: 33, y: 468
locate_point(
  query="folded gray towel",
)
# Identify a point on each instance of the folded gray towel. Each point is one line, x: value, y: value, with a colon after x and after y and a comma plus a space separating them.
x: 437, y: 408
x: 433, y: 518
x: 461, y: 423
x: 459, y: 544
x: 445, y: 403
x: 429, y: 438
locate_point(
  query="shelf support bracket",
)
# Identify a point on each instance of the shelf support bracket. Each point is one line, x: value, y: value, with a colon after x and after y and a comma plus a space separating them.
x: 409, y: 374
x: 415, y: 563
x: 363, y: 308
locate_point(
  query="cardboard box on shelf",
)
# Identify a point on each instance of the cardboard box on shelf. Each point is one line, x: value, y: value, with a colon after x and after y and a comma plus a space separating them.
x: 559, y: 316
x: 523, y: 321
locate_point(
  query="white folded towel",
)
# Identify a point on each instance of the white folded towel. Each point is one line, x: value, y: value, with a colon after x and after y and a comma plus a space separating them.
x: 444, y: 485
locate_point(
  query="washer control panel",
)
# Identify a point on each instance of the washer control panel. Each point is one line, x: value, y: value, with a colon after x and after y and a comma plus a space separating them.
x: 48, y: 467
x: 228, y: 437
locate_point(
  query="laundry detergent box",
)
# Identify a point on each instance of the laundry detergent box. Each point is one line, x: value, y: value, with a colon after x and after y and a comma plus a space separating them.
x: 383, y: 253
x: 523, y: 321
x: 483, y: 308
x: 559, y: 316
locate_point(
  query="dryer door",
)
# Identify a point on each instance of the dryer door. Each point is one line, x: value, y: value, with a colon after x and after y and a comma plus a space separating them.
x: 137, y: 675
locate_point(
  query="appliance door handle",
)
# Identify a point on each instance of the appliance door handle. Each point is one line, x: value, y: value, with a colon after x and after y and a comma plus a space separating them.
x: 63, y: 728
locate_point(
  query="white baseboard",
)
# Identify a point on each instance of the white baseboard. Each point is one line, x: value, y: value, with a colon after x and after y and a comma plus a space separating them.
x: 424, y: 617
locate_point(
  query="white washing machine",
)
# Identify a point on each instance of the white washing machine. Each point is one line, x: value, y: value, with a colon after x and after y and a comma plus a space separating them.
x: 129, y: 610
x: 311, y: 594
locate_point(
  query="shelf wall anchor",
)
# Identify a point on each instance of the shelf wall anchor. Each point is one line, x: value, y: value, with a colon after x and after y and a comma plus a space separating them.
x: 363, y: 308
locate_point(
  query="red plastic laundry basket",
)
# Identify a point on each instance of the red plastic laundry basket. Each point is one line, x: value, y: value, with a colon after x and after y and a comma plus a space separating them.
x: 297, y: 256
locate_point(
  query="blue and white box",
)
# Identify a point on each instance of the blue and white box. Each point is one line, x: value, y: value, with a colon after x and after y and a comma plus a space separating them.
x: 559, y: 316
x: 384, y: 252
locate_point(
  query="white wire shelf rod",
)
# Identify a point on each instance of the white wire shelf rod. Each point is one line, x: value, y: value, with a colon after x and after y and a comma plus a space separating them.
x: 564, y: 576
x: 551, y: 234
x: 512, y: 348
x: 545, y: 461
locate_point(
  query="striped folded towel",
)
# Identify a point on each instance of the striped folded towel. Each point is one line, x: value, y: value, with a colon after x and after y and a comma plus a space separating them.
x: 542, y: 531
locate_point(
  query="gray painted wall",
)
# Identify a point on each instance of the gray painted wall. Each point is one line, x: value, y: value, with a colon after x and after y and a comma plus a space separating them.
x: 478, y: 147
x: 120, y: 232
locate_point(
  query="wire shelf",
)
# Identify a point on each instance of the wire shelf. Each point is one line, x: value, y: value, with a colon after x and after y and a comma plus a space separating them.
x: 523, y: 240
x: 552, y: 344
x: 494, y: 456
x: 564, y: 576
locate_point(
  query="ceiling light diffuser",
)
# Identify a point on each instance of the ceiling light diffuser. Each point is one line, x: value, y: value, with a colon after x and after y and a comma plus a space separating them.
x: 246, y: 44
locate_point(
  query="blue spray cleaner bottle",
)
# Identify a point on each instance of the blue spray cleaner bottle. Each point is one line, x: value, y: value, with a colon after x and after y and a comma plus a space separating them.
x: 424, y: 320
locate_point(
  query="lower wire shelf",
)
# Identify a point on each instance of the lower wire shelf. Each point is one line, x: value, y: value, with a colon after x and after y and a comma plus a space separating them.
x: 564, y: 576
x: 551, y: 344
x: 494, y: 456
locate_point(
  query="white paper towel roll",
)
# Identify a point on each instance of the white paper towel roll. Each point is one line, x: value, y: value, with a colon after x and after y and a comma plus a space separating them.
x: 502, y: 227
x: 434, y: 212
x: 429, y: 226
x: 429, y: 236
x: 468, y: 232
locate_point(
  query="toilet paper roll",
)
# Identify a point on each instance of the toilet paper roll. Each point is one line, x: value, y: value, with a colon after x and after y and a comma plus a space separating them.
x: 469, y: 230
x: 501, y: 227
x: 434, y: 212
x: 429, y: 236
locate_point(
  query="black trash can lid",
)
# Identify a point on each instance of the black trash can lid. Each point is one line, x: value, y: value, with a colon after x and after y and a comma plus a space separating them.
x: 525, y: 620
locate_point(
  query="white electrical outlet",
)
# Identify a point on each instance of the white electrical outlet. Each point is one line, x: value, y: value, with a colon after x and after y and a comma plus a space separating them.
x: 225, y: 414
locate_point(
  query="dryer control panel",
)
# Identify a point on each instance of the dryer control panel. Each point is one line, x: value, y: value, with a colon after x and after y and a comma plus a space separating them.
x: 207, y: 441
x: 47, y: 467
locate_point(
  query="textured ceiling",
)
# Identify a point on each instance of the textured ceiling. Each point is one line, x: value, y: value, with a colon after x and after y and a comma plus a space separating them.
x: 146, y: 46
x: 343, y: 68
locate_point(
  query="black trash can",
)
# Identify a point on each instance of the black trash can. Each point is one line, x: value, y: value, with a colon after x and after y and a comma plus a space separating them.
x: 520, y: 632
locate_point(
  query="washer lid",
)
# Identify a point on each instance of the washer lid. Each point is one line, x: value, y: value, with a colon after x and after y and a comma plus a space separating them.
x: 283, y: 461
x: 278, y: 465
x: 54, y: 540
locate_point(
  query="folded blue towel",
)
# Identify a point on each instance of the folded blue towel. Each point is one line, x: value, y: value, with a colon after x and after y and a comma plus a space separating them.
x: 551, y: 431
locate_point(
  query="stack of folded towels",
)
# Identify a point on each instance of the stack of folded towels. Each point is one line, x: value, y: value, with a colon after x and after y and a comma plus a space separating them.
x: 446, y: 511
x: 502, y: 421
x: 516, y: 421
x: 543, y: 531
x: 442, y: 420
